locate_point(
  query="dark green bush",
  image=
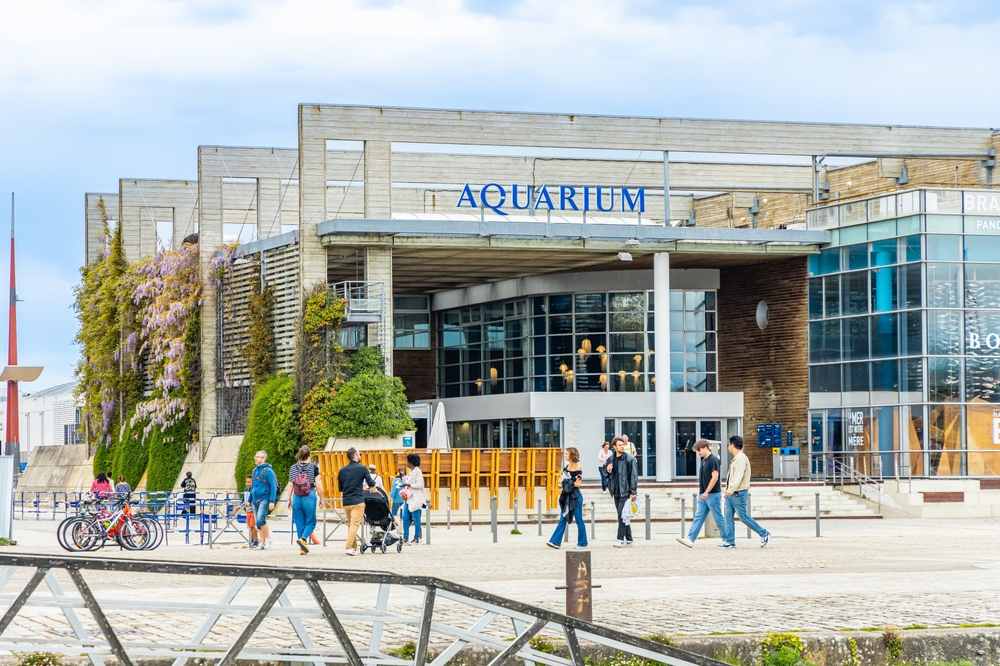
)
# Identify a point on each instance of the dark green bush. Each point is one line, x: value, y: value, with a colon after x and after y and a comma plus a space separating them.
x: 103, y: 458
x: 130, y: 456
x: 271, y: 427
x: 167, y: 450
x: 370, y: 405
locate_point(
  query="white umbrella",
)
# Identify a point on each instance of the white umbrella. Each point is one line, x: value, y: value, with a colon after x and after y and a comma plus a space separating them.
x: 438, y: 437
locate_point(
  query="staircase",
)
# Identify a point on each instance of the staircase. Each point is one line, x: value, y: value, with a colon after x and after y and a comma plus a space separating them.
x: 767, y: 501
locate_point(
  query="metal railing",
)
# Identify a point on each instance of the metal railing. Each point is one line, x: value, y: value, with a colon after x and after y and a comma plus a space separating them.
x: 851, y: 476
x: 209, y: 642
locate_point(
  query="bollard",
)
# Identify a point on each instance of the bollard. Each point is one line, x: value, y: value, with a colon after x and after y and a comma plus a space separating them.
x: 493, y: 517
x: 593, y: 521
x: 539, y: 517
x: 428, y: 528
x: 515, y: 515
x: 649, y: 526
x: 471, y: 490
x: 683, y: 533
x: 748, y: 513
x: 817, y: 515
x: 447, y: 504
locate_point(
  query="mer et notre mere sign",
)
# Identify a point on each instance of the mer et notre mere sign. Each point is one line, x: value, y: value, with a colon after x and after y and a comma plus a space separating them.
x: 496, y: 197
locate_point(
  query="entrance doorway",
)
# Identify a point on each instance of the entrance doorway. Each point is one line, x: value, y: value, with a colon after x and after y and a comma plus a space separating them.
x: 686, y: 433
x: 641, y: 433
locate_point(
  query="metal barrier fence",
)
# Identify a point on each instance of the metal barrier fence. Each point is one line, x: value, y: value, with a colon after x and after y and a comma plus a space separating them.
x: 207, y: 517
x: 207, y: 642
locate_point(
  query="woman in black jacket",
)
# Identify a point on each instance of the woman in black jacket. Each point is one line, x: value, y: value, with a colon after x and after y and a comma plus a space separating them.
x: 570, y: 501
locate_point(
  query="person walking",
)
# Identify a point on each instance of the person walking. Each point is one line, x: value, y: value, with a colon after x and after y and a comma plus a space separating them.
x: 710, y: 496
x: 629, y: 446
x: 413, y: 493
x: 570, y: 502
x: 122, y: 489
x: 101, y: 486
x: 350, y: 481
x: 248, y: 508
x: 623, y: 481
x: 396, y: 496
x: 190, y: 487
x: 263, y: 495
x: 373, y: 470
x: 602, y: 461
x: 737, y: 493
x: 303, y: 476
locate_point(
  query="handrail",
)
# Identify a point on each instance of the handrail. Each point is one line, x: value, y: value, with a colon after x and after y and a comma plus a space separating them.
x: 858, y: 478
x: 527, y: 619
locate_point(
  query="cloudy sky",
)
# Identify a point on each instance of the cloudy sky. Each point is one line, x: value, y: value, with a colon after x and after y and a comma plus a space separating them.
x: 95, y: 90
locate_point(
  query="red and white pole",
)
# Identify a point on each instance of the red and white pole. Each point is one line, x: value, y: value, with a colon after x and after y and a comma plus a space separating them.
x: 13, y: 417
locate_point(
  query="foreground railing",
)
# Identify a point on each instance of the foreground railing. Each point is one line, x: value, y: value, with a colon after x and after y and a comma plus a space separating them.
x: 477, y: 611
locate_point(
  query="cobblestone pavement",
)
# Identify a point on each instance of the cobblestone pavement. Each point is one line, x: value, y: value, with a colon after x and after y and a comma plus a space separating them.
x: 861, y: 573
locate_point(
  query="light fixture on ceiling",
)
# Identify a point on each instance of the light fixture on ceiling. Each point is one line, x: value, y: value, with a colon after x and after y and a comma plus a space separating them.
x: 625, y: 256
x: 631, y: 242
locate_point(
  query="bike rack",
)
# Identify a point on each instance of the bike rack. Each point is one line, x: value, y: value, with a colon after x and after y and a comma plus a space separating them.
x: 476, y: 613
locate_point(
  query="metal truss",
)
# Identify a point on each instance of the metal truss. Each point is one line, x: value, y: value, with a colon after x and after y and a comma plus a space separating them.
x: 478, y: 609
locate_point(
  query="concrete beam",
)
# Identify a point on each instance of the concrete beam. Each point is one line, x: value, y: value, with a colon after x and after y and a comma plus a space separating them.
x: 93, y: 239
x: 144, y: 203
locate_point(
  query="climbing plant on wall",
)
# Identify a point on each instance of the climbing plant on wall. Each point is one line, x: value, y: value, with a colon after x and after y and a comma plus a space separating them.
x: 271, y: 427
x: 318, y: 354
x: 258, y: 352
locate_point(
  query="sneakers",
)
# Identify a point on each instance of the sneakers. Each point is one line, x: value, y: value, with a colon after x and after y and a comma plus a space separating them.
x: 618, y: 544
x: 628, y: 544
x: 303, y: 545
x: 726, y: 545
x: 579, y: 547
x: 764, y: 539
x: 684, y: 541
x: 552, y: 545
x: 265, y: 544
x: 254, y: 545
x: 351, y: 551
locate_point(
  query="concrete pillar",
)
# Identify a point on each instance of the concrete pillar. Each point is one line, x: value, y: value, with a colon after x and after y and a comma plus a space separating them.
x: 128, y: 218
x: 209, y: 241
x: 661, y: 326
x: 378, y: 268
x: 94, y: 236
x: 378, y: 180
x: 268, y: 207
x: 312, y: 206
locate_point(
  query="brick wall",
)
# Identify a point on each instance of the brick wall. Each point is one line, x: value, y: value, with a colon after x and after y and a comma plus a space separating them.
x: 769, y: 366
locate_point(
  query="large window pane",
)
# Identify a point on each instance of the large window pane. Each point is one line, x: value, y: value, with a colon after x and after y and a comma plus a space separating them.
x: 815, y: 298
x: 943, y: 248
x: 944, y: 379
x: 909, y: 286
x: 982, y: 285
x: 982, y: 332
x: 944, y: 332
x: 824, y: 378
x: 563, y: 303
x: 630, y: 302
x: 824, y: 341
x: 699, y: 300
x: 855, y: 293
x: 981, y: 435
x: 630, y: 342
x: 982, y: 379
x: 591, y: 302
x: 856, y: 337
x: 884, y: 289
x: 912, y: 338
x: 942, y: 286
x: 633, y: 321
x: 857, y: 256
x: 831, y: 291
x: 910, y: 248
x: 944, y: 439
x: 591, y: 323
x: 982, y: 248
x: 885, y: 376
x: 911, y: 380
x: 856, y: 378
x: 884, y: 252
x: 885, y: 335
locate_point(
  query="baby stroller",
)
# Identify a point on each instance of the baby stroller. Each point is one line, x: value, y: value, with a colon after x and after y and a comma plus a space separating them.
x: 379, y: 527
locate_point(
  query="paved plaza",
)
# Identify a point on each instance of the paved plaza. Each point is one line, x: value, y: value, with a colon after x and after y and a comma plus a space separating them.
x: 861, y: 573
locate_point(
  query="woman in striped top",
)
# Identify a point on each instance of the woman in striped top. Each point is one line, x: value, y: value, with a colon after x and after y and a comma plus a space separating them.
x: 305, y: 492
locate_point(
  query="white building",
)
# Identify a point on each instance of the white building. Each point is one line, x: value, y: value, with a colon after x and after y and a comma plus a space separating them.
x: 48, y: 417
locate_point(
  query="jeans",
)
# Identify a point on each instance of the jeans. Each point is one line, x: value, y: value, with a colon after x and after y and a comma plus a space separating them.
x: 604, y: 477
x: 624, y: 531
x: 411, y: 517
x: 713, y: 504
x: 304, y: 514
x: 581, y: 529
x: 260, y: 508
x: 737, y: 504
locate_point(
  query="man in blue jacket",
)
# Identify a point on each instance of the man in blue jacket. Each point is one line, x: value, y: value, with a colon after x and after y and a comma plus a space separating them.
x: 263, y: 493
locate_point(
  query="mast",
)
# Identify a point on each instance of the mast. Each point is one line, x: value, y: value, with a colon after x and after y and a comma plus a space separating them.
x: 13, y: 430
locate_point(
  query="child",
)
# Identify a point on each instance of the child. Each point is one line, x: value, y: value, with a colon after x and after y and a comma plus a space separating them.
x: 251, y: 523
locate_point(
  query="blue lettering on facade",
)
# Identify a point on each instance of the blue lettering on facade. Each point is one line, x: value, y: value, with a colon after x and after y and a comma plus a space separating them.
x: 630, y: 203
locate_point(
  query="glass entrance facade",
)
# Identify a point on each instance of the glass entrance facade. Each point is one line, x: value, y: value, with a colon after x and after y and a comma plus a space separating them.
x: 904, y: 334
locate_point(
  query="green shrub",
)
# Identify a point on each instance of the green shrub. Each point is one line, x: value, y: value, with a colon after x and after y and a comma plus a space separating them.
x: 659, y: 637
x: 542, y: 645
x: 366, y: 361
x: 406, y: 651
x: 130, y: 456
x: 103, y: 456
x: 38, y: 659
x: 370, y: 405
x: 783, y: 656
x: 782, y: 649
x: 893, y: 644
x: 271, y: 427
x: 167, y: 450
x: 775, y: 641
x: 853, y: 659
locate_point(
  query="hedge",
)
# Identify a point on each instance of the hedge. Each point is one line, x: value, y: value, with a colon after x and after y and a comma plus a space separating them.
x: 167, y: 450
x: 129, y: 456
x: 271, y: 427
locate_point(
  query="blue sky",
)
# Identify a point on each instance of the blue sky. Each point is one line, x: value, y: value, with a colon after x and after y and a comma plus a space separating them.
x: 96, y: 90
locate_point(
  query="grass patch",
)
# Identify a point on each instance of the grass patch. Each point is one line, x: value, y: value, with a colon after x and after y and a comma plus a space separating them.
x: 542, y: 645
x: 659, y: 637
x: 870, y: 629
x: 406, y: 651
x: 38, y: 659
x: 724, y: 633
x: 4, y: 541
x: 915, y: 626
x: 515, y: 531
x: 974, y: 626
x: 728, y: 657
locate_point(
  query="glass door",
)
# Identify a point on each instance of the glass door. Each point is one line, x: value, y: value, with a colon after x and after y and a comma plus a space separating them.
x: 644, y: 441
x: 685, y: 435
x: 633, y: 430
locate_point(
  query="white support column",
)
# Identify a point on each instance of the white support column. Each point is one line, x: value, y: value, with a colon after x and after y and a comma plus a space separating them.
x: 666, y: 187
x: 312, y: 207
x: 661, y: 325
x: 268, y: 207
x: 209, y: 241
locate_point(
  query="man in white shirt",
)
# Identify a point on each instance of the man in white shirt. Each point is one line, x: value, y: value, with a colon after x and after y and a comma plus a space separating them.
x: 376, y: 477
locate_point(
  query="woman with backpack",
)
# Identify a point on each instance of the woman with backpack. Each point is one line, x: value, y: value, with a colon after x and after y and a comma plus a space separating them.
x: 306, y: 492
